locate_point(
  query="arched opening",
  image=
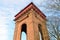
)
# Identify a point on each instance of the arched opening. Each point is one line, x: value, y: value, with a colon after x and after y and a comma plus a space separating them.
x: 23, y: 31
x: 40, y: 32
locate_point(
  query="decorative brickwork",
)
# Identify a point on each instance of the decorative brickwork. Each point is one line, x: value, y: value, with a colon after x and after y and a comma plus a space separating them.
x: 31, y: 17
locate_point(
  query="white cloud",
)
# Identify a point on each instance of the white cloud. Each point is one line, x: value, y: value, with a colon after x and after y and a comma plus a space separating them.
x: 3, y: 33
x: 11, y: 3
x: 39, y: 2
x: 9, y: 8
x: 3, y: 25
x: 3, y: 30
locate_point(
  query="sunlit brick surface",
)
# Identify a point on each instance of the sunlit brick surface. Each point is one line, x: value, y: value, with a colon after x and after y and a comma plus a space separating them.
x: 31, y: 18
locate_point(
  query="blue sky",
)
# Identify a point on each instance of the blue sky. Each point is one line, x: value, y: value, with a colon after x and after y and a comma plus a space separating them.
x: 9, y: 8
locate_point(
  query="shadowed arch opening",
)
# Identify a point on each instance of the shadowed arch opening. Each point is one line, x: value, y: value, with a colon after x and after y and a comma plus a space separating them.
x: 40, y: 32
x: 23, y: 31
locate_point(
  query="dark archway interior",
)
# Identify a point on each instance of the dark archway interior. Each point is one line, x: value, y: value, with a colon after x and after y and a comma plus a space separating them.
x: 39, y: 27
x: 40, y: 30
x: 24, y: 28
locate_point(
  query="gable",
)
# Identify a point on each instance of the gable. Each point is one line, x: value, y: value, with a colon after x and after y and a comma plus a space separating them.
x: 29, y: 7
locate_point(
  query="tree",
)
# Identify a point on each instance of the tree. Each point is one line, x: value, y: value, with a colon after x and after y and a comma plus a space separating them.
x: 53, y: 21
x: 53, y: 24
x: 51, y: 6
x: 54, y: 5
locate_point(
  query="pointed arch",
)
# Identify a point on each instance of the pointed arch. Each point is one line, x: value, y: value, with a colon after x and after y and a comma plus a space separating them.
x: 40, y: 31
x: 23, y: 32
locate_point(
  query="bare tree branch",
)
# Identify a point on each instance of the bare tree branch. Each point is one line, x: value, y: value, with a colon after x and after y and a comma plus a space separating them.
x: 54, y: 24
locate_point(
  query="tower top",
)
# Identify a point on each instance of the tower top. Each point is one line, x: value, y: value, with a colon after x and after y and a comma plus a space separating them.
x: 28, y: 7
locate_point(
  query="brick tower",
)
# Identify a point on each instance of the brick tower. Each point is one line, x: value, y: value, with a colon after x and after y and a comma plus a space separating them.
x: 32, y: 21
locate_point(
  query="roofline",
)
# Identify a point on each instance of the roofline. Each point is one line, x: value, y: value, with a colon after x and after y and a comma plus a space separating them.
x: 33, y: 6
x: 23, y: 9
